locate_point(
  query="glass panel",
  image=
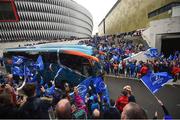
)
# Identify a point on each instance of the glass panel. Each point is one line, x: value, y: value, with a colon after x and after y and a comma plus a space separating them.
x: 76, y: 63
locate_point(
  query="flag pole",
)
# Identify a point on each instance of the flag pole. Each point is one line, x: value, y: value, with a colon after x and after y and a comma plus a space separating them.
x: 24, y: 82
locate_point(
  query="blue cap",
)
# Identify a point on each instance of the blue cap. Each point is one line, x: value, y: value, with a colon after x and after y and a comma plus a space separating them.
x: 91, y: 98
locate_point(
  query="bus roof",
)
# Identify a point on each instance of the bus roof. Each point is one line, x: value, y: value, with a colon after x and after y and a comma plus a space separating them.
x: 53, y: 48
x: 78, y: 50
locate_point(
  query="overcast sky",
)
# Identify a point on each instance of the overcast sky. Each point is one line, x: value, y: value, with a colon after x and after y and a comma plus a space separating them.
x: 98, y: 9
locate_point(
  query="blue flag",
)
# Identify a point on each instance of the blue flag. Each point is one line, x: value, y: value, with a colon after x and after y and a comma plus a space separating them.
x: 152, y: 53
x: 170, y: 57
x: 17, y: 60
x: 115, y: 57
x: 28, y: 72
x: 17, y: 71
x: 175, y: 57
x: 40, y: 63
x: 154, y: 81
x: 28, y: 75
x: 98, y: 84
x: 58, y: 73
x: 50, y: 91
x: 161, y: 56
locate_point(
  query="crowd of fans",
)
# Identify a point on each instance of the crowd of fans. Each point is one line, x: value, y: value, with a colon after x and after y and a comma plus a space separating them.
x: 25, y: 103
x: 113, y: 50
x: 61, y: 104
x: 65, y: 104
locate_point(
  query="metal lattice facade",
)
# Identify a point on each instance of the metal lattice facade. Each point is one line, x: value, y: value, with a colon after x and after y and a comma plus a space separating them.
x: 47, y: 19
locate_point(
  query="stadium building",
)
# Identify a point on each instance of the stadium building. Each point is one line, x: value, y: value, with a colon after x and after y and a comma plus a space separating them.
x: 159, y: 20
x: 43, y: 20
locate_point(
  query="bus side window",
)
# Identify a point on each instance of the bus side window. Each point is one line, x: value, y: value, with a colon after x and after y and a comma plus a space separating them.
x: 50, y: 57
x: 76, y: 63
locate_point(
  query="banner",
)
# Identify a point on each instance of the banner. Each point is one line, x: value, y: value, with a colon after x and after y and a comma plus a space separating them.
x: 15, y: 70
x: 154, y: 81
x: 152, y: 53
x: 17, y: 60
x: 26, y: 67
x: 97, y: 84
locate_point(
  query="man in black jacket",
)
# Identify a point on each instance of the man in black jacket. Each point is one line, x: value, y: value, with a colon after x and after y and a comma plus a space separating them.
x: 112, y: 112
x: 34, y: 107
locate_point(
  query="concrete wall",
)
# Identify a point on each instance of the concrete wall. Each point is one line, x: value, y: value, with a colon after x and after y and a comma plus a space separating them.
x: 176, y: 11
x: 130, y: 15
x: 159, y: 27
x: 101, y: 28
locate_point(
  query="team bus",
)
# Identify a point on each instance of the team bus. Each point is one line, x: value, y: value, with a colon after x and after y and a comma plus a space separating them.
x: 73, y: 63
x: 76, y: 60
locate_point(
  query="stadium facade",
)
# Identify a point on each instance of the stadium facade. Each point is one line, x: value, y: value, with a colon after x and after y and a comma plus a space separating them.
x: 158, y: 19
x: 44, y: 20
x: 130, y: 15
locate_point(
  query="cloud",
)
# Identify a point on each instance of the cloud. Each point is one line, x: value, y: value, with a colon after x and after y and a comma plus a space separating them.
x: 98, y: 9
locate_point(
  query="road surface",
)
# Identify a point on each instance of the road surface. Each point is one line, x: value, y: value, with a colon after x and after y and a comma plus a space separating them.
x: 169, y: 95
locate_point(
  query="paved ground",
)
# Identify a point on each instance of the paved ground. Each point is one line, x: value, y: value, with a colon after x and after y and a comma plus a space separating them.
x: 169, y: 95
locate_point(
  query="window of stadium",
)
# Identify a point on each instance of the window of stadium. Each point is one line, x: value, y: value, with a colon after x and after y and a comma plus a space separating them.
x: 163, y: 9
